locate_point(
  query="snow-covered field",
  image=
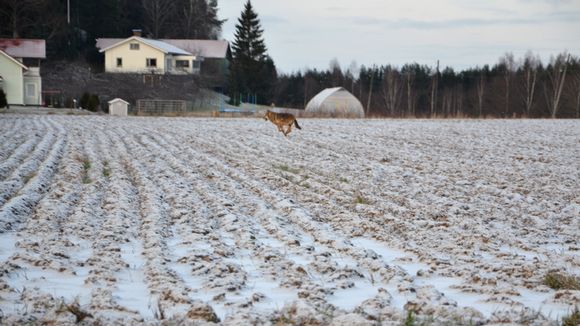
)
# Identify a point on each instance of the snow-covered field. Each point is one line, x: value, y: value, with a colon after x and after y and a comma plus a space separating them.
x: 345, y: 221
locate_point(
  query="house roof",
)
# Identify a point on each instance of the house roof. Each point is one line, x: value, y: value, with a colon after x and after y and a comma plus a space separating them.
x: 13, y: 60
x: 159, y: 45
x: 202, y: 48
x: 23, y: 48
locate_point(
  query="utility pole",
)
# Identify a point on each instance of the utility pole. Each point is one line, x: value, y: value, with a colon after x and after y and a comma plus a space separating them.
x: 68, y: 11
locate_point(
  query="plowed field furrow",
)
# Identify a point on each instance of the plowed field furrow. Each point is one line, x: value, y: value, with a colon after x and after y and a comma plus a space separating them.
x: 134, y: 220
x: 396, y: 233
x: 305, y: 253
x: 24, y: 171
x: 15, y: 159
x: 166, y: 287
x: 53, y: 210
x: 237, y: 272
x: 18, y: 205
x: 10, y: 137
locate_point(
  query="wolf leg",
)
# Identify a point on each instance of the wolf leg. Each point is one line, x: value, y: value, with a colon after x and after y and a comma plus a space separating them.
x: 288, y: 130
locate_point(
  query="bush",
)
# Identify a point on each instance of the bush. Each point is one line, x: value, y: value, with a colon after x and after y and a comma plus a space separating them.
x: 94, y: 103
x: 84, y: 102
x: 3, y: 102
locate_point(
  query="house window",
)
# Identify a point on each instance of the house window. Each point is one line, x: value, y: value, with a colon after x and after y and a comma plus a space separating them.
x: 30, y: 90
x: 119, y: 62
x: 151, y: 62
x: 182, y: 63
x: 134, y: 46
x: 196, y: 64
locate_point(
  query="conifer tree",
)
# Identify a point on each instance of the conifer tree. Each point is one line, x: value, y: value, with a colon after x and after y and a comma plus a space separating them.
x: 252, y: 72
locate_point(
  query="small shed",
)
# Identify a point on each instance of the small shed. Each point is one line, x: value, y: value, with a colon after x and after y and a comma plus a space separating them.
x: 118, y: 107
x: 337, y: 103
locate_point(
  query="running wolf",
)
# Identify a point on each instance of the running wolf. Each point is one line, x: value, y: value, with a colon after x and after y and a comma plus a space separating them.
x: 281, y: 120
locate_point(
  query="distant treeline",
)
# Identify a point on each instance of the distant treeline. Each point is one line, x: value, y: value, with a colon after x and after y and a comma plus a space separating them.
x: 513, y: 87
x: 72, y: 29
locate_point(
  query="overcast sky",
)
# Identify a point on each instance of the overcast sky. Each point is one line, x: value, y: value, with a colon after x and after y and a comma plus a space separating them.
x: 460, y: 33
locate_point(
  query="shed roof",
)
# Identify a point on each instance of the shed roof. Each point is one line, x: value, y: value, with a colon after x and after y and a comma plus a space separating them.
x: 24, y: 48
x: 203, y: 48
x: 118, y: 100
x: 159, y: 45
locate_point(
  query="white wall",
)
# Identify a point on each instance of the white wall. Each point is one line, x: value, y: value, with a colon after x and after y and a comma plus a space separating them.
x: 12, y: 85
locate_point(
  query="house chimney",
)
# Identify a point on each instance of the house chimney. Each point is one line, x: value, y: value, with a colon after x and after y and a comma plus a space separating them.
x: 137, y: 32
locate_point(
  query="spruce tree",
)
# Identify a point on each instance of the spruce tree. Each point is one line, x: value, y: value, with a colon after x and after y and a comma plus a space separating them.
x: 252, y: 72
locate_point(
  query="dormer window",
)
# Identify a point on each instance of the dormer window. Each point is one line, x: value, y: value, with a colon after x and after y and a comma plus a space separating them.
x: 134, y: 46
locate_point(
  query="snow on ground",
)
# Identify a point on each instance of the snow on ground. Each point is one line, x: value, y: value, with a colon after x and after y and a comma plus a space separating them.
x: 137, y: 220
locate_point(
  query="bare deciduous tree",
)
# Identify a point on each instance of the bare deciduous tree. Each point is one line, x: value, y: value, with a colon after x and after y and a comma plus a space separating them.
x: 352, y: 71
x: 15, y: 13
x: 481, y: 81
x: 434, y: 86
x: 190, y: 17
x: 556, y: 79
x: 336, y: 73
x: 157, y: 14
x: 530, y: 74
x: 509, y: 66
x: 391, y: 91
x: 370, y: 89
x: 409, y: 82
x: 577, y: 88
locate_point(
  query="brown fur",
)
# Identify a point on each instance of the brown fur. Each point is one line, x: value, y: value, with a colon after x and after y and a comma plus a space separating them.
x: 281, y: 120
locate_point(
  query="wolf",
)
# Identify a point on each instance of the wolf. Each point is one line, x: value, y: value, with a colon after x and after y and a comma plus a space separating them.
x: 281, y: 120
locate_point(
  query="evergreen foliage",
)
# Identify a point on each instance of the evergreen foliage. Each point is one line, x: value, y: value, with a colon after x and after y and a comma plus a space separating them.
x: 252, y: 72
x: 3, y: 102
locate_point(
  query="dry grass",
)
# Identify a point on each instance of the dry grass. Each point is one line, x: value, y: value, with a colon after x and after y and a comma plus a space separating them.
x: 286, y: 168
x: 560, y: 281
x: 573, y: 319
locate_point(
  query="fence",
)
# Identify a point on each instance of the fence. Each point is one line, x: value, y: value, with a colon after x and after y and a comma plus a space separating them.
x: 160, y: 107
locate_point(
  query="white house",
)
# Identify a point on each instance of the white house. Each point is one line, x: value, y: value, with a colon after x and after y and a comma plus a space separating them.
x: 118, y: 107
x: 137, y: 54
x: 20, y: 70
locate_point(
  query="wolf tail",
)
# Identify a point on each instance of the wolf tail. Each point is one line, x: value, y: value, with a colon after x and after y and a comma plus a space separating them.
x: 296, y: 124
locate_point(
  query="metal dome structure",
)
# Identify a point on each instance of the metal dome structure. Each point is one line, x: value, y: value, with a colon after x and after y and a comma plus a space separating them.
x: 335, y: 102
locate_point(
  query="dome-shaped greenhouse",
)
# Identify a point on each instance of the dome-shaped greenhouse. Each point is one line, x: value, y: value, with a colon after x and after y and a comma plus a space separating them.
x: 335, y: 102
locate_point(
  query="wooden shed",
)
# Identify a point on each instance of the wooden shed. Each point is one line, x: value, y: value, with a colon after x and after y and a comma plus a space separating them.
x: 118, y: 107
x: 335, y: 102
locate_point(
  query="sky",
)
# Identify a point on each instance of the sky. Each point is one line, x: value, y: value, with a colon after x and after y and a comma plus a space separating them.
x: 303, y: 34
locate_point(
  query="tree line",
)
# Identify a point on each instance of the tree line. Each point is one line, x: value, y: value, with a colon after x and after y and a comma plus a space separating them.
x: 512, y: 87
x: 70, y: 27
x: 524, y: 87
